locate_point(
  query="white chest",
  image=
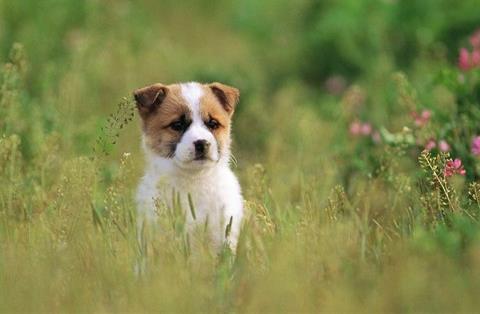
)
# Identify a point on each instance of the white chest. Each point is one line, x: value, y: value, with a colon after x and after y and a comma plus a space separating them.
x: 209, y: 202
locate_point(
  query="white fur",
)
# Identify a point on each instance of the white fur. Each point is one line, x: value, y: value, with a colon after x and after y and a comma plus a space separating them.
x: 213, y: 187
x: 185, y: 152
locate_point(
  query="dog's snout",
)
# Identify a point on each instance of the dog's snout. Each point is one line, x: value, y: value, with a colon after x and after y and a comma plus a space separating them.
x: 201, y: 146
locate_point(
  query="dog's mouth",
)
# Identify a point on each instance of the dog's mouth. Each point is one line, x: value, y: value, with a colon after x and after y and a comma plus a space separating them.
x: 200, y: 158
x: 197, y: 161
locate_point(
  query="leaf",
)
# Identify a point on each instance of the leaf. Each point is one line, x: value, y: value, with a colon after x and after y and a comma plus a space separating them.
x: 192, y: 208
x: 228, y: 229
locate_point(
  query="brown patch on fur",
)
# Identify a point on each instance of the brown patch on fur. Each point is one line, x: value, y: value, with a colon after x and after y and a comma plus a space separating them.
x: 212, y: 108
x: 159, y: 136
x: 149, y: 98
x: 160, y: 105
x: 226, y: 95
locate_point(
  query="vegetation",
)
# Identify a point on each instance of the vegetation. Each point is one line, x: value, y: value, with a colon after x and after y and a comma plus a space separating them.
x: 356, y: 139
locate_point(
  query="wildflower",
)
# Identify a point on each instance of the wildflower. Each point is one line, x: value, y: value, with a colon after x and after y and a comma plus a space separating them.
x: 358, y: 128
x: 476, y: 146
x: 335, y: 85
x: 475, y: 60
x: 464, y: 60
x: 355, y: 128
x: 422, y: 118
x: 475, y: 39
x: 366, y: 129
x: 469, y: 60
x: 453, y: 167
x: 443, y: 146
x: 431, y: 144
x: 376, y: 138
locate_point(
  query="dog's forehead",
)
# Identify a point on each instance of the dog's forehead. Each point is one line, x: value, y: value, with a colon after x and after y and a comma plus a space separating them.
x: 192, y: 93
x: 199, y: 99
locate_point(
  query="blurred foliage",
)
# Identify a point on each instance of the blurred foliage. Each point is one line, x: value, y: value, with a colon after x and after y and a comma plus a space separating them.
x: 347, y: 211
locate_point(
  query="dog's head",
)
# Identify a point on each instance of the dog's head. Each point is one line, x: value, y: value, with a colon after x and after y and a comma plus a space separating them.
x: 188, y: 123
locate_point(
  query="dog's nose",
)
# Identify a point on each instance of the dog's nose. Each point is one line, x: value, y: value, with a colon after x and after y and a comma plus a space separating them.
x: 201, y: 146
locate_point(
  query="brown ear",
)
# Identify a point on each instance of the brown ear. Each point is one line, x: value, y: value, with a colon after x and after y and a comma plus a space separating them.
x: 149, y: 98
x: 227, y: 96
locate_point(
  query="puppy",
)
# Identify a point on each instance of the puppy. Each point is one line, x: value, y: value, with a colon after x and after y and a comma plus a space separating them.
x: 186, y: 140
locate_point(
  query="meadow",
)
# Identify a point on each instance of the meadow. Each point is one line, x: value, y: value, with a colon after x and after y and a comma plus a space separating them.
x: 356, y: 141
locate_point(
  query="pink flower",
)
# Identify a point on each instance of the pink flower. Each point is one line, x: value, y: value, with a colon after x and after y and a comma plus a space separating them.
x: 453, y: 167
x: 431, y: 144
x: 464, y: 60
x: 476, y: 146
x: 355, y: 128
x: 443, y: 146
x: 422, y: 118
x: 475, y: 58
x: 467, y: 60
x: 366, y: 129
x: 359, y: 128
x: 475, y: 39
x: 426, y: 114
x: 335, y: 84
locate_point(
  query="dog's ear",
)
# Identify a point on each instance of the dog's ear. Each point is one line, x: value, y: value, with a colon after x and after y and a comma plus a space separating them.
x: 149, y: 98
x: 227, y: 96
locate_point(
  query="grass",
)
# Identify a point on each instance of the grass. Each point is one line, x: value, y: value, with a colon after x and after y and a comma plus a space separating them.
x: 335, y: 223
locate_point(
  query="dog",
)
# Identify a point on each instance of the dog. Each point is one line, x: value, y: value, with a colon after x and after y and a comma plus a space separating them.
x: 186, y: 139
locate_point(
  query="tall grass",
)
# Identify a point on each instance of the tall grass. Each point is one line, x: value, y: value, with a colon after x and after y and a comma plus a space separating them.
x: 334, y: 223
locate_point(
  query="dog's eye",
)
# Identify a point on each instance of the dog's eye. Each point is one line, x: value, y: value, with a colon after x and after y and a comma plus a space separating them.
x: 179, y: 125
x: 212, y: 124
